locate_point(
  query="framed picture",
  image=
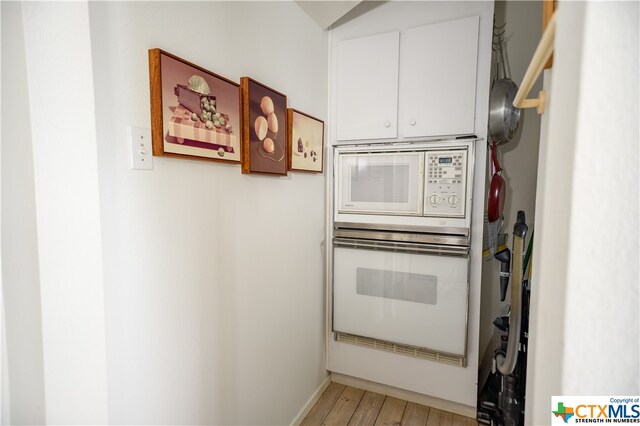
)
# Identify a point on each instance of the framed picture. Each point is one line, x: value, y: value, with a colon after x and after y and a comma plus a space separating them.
x: 195, y: 113
x: 264, y: 128
x: 305, y: 141
x: 548, y: 8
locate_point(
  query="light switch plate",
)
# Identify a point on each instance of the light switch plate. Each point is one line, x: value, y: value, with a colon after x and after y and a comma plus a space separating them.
x: 140, y: 148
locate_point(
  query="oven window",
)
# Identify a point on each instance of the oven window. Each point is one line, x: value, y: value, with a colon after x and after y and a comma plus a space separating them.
x: 405, y: 286
x: 383, y: 183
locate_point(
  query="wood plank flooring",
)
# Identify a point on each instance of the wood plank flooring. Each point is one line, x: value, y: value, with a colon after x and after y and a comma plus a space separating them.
x: 342, y: 405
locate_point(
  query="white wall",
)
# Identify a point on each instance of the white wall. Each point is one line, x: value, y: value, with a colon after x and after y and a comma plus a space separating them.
x: 600, y: 280
x: 5, y: 395
x: 431, y: 378
x: 65, y: 174
x: 201, y: 287
x: 213, y: 279
x: 23, y: 383
x: 4, y: 369
x: 518, y: 157
x: 585, y: 320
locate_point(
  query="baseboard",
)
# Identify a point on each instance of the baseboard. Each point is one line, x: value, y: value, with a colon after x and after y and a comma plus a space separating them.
x: 311, y: 402
x: 418, y: 398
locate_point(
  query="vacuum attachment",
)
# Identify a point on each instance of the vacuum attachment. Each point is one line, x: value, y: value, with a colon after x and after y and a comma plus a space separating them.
x: 504, y: 256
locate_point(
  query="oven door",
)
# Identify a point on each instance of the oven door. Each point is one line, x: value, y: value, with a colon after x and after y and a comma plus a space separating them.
x: 404, y: 293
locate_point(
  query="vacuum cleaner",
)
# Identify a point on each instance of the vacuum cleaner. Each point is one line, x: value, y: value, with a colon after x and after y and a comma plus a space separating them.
x: 503, y: 398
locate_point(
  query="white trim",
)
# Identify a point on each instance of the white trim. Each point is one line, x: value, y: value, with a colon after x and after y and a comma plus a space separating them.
x: 311, y: 402
x: 418, y: 398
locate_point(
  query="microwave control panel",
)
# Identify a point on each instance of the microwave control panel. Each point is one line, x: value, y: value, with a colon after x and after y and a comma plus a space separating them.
x: 445, y: 183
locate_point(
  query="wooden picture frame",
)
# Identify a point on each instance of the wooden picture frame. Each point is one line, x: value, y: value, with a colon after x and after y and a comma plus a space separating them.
x: 195, y: 113
x: 548, y: 8
x: 305, y: 142
x: 264, y: 128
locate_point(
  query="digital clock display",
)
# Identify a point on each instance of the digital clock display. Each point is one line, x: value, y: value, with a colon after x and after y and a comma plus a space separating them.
x: 445, y: 160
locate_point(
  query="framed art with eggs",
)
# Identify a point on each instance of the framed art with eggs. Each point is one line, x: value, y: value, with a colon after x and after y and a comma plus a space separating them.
x: 195, y: 113
x: 264, y: 128
x: 305, y: 141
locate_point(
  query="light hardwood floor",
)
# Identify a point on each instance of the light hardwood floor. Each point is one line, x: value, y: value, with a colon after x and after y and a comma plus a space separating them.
x: 342, y: 405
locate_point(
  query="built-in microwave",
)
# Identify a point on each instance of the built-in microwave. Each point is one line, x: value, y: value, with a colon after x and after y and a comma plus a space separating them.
x: 421, y: 187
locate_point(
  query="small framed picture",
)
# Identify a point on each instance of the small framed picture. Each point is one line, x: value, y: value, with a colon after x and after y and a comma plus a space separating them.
x: 305, y: 139
x: 195, y: 113
x: 264, y: 128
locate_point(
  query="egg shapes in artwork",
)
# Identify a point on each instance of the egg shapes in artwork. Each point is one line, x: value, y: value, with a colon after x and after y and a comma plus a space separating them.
x: 266, y: 105
x: 272, y: 121
x: 261, y: 127
x: 268, y: 145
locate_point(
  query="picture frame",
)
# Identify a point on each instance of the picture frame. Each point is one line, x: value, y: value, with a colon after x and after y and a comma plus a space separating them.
x: 305, y: 141
x: 264, y: 128
x: 195, y: 113
x: 548, y: 8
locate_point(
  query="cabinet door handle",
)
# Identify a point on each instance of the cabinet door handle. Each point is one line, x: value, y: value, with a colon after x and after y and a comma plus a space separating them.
x: 387, y: 124
x: 412, y: 122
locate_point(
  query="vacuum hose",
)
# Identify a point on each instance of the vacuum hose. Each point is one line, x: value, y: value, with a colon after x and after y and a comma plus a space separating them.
x: 504, y: 256
x: 506, y: 364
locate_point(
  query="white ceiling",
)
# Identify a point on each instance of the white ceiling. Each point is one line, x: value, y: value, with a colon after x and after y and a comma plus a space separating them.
x: 325, y: 13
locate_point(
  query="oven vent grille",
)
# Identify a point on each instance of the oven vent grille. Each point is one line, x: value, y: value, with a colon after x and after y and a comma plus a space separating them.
x: 413, y: 351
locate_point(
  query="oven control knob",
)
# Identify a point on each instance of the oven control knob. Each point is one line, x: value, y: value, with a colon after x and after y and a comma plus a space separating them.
x: 453, y: 200
x: 434, y: 199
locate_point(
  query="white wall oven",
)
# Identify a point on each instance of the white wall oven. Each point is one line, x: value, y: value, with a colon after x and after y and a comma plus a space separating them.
x: 401, y: 243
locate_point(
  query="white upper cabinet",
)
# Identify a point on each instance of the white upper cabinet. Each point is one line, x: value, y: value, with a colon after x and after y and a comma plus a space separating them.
x: 421, y: 83
x: 438, y: 65
x: 367, y: 87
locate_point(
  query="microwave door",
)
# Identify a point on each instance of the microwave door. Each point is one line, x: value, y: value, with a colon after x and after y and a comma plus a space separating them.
x: 381, y: 183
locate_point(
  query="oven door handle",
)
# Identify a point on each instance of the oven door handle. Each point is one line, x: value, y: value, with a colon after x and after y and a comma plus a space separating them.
x: 433, y: 249
x: 437, y: 236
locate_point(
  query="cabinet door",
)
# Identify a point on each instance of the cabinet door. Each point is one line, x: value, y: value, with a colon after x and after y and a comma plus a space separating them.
x: 367, y: 92
x: 438, y: 78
